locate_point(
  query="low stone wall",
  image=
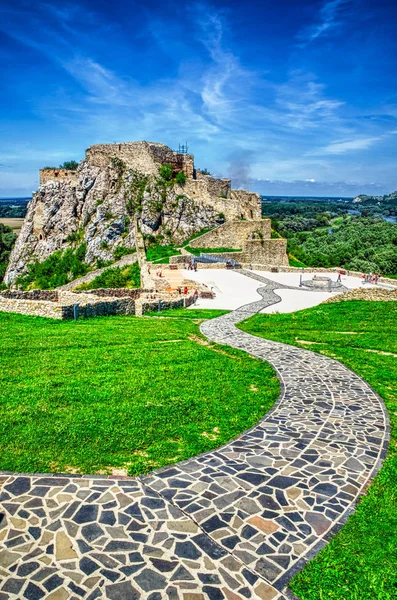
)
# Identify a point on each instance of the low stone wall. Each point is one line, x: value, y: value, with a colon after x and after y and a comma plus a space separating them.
x: 373, y: 294
x: 46, y: 295
x: 101, y: 308
x: 60, y: 305
x: 148, y: 305
x: 37, y: 308
x: 133, y: 293
x: 289, y: 269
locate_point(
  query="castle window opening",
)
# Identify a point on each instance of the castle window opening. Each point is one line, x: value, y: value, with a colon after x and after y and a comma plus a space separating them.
x: 251, y: 214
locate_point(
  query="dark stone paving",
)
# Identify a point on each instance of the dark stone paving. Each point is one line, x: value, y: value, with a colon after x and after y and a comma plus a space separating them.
x: 234, y: 523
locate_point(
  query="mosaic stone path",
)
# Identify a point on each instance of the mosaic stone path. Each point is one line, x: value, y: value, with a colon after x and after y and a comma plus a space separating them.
x: 232, y: 524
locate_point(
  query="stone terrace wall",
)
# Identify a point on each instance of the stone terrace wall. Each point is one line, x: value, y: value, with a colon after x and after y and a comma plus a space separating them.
x: 233, y: 234
x: 58, y: 175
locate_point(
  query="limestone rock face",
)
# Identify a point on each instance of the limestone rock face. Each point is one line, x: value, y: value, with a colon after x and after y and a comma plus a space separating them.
x: 114, y: 185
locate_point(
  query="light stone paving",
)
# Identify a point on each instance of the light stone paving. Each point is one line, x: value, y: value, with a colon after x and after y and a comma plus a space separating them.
x: 231, y: 524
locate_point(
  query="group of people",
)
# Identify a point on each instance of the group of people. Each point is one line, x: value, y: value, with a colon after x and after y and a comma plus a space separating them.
x: 186, y: 291
x: 191, y: 265
x: 370, y: 277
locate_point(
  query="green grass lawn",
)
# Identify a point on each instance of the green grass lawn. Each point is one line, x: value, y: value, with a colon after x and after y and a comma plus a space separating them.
x: 121, y: 392
x: 161, y: 254
x: 198, y: 251
x: 360, y: 563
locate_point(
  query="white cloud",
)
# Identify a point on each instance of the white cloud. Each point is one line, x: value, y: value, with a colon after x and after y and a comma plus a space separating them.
x: 343, y: 146
x: 329, y: 18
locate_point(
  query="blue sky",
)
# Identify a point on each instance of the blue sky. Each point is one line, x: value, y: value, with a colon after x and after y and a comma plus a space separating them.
x: 286, y: 97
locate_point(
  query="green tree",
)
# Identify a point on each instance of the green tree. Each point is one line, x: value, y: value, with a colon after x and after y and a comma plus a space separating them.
x: 7, y: 241
x: 70, y: 165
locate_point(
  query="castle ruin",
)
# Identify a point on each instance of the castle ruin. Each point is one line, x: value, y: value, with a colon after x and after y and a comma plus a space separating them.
x: 97, y: 204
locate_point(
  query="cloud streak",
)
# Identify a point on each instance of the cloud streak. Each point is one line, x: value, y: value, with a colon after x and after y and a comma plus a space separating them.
x: 330, y: 17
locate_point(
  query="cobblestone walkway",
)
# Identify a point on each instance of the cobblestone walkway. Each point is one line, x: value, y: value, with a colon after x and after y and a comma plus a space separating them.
x: 234, y: 523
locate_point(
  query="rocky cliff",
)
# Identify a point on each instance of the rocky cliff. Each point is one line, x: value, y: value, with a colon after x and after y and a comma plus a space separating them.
x: 113, y: 186
x: 386, y: 198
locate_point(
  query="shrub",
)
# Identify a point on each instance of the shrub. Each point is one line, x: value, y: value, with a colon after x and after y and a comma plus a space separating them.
x: 118, y: 165
x: 116, y: 277
x: 135, y: 193
x: 104, y: 245
x: 59, y: 268
x: 100, y: 263
x: 166, y: 172
x: 205, y: 171
x: 76, y: 236
x: 70, y: 165
x: 120, y: 251
x: 180, y: 178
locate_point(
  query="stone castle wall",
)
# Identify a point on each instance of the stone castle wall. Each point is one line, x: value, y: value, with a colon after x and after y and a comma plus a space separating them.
x: 233, y: 234
x: 238, y: 204
x: 145, y: 157
x: 272, y: 252
x: 250, y: 204
x: 214, y: 186
x: 63, y: 175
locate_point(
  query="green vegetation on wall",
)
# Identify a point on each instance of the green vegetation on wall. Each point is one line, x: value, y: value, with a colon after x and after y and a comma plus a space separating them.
x: 121, y: 251
x: 59, y: 268
x: 116, y: 277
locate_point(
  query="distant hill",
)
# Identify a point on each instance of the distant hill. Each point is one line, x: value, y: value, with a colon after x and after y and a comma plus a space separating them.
x: 386, y: 198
